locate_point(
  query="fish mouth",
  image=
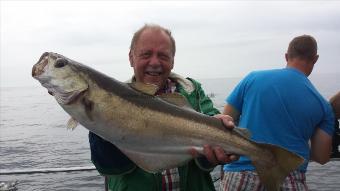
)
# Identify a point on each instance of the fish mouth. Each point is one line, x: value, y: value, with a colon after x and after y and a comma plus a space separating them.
x: 39, y: 67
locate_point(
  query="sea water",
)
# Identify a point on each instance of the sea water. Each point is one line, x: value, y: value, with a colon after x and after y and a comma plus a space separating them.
x: 33, y: 135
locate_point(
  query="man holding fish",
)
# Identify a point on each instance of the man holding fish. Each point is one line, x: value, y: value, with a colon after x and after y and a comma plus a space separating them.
x: 151, y: 56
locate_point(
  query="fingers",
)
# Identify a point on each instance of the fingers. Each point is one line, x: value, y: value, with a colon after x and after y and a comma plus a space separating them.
x: 223, y: 157
x: 234, y: 157
x: 217, y: 155
x: 222, y: 116
x: 210, y: 155
x: 228, y: 121
x: 193, y: 152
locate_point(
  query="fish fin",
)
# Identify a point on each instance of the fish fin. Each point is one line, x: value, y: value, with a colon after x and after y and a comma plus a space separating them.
x: 72, y: 123
x: 66, y: 97
x: 243, y: 131
x: 156, y: 162
x: 149, y: 89
x: 88, y: 106
x: 176, y: 99
x: 273, y: 169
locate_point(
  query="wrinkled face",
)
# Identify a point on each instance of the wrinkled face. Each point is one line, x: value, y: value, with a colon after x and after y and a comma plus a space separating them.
x: 152, y: 58
x: 55, y: 73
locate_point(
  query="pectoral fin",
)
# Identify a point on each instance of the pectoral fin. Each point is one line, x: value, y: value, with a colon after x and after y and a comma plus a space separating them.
x: 65, y: 97
x: 72, y: 123
x: 88, y: 106
x: 243, y: 131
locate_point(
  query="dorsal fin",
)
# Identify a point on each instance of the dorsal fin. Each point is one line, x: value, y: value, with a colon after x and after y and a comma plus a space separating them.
x: 149, y: 89
x: 243, y: 131
x: 175, y: 99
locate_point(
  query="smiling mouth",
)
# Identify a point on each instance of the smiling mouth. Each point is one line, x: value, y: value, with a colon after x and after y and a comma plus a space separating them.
x: 154, y: 73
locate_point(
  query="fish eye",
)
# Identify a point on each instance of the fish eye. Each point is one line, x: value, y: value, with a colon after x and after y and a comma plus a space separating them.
x: 60, y: 63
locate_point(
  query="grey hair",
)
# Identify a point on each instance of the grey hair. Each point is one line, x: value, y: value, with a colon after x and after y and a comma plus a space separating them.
x: 137, y: 34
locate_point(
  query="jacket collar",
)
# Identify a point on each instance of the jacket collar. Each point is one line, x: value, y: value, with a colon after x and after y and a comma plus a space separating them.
x: 187, y: 85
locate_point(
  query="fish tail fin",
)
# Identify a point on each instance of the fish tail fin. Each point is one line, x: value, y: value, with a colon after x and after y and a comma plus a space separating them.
x: 273, y: 169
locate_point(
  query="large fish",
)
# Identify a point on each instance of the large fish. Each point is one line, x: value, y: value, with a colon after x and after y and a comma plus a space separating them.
x: 154, y: 132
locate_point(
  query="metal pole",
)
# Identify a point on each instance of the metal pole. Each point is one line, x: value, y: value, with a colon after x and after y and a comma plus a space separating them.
x: 46, y: 170
x: 106, y: 183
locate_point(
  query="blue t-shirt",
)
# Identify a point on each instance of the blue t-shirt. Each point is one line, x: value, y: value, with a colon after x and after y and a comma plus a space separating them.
x: 280, y: 107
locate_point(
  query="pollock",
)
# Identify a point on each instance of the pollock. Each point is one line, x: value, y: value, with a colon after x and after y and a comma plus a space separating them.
x: 156, y: 132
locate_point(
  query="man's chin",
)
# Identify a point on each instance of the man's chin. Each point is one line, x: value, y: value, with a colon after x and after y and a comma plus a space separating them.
x: 156, y: 80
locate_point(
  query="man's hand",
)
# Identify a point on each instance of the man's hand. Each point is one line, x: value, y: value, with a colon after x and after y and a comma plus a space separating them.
x: 216, y: 155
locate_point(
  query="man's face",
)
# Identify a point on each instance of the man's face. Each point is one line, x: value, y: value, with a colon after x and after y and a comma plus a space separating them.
x: 152, y: 58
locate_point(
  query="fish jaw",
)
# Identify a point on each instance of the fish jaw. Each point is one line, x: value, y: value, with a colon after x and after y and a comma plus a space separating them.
x: 61, y: 81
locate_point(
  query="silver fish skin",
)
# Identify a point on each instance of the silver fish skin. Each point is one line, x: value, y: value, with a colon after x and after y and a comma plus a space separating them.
x: 152, y: 131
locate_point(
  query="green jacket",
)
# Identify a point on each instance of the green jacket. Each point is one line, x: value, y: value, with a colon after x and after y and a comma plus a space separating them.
x: 124, y: 175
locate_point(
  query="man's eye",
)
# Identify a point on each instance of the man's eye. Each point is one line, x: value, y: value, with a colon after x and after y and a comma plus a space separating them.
x: 164, y: 57
x: 145, y: 55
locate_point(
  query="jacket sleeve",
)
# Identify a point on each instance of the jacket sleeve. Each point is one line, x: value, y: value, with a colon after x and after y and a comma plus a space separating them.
x: 205, y: 104
x: 107, y: 158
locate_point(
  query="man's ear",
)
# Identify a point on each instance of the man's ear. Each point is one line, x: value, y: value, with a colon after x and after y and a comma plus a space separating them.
x: 131, y: 58
x: 286, y: 56
x: 315, y: 59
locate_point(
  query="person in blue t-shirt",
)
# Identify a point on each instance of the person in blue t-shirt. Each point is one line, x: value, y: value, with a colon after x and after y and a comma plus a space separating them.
x: 282, y: 107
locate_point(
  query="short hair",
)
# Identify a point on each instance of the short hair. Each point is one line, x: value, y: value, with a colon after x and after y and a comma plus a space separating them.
x: 304, y: 47
x: 137, y: 34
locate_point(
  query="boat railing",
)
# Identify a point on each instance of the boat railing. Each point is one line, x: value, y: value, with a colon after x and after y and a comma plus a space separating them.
x: 11, y: 186
x: 57, y: 170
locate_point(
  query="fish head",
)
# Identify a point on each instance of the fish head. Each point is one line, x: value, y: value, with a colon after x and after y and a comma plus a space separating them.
x: 60, y: 77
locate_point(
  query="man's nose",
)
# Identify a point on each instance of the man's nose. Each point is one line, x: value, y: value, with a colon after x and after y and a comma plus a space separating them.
x: 154, y: 61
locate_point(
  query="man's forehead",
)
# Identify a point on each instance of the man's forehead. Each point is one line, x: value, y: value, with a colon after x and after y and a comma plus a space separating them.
x: 153, y: 49
x: 145, y: 44
x: 156, y: 36
x: 153, y: 31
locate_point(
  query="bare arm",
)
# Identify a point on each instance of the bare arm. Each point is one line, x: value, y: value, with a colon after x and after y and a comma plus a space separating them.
x: 232, y: 112
x: 321, y: 146
x: 335, y: 102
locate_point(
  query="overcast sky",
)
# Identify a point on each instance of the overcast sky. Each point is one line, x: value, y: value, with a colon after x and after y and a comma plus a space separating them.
x: 214, y: 39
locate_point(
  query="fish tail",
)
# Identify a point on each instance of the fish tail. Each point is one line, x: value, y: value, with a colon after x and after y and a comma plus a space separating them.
x: 273, y: 169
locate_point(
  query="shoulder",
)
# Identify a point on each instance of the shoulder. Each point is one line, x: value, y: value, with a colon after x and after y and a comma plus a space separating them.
x: 188, y: 84
x: 258, y: 73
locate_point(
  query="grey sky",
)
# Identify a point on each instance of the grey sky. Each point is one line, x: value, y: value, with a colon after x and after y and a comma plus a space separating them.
x: 214, y: 39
